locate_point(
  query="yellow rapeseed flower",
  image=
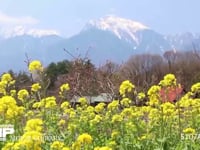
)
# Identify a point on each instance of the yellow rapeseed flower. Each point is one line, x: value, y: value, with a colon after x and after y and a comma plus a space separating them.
x: 84, y: 138
x: 9, y: 108
x: 125, y: 102
x: 114, y: 134
x: 168, y: 108
x: 114, y: 105
x: 83, y: 101
x: 23, y: 94
x: 8, y: 146
x: 65, y: 105
x: 31, y: 140
x: 47, y: 102
x: 112, y: 144
x: 189, y: 131
x: 13, y: 93
x: 34, y: 125
x: 14, y: 112
x: 7, y: 78
x: 196, y: 88
x: 61, y: 122
x: 30, y: 113
x: 103, y: 148
x: 35, y: 87
x: 3, y: 87
x: 72, y: 127
x: 64, y: 87
x: 169, y: 80
x: 116, y: 118
x: 127, y: 113
x: 96, y: 120
x: 35, y: 66
x: 37, y: 105
x: 99, y: 107
x: 57, y: 145
x: 65, y: 148
x: 154, y: 90
x: 126, y: 87
x: 141, y: 95
x: 76, y: 146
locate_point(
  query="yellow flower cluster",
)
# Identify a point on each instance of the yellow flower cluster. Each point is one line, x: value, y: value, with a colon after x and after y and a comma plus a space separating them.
x: 196, y: 88
x: 116, y: 118
x: 169, y: 80
x: 62, y: 122
x: 83, y: 101
x: 23, y: 95
x: 117, y: 125
x: 35, y: 87
x: 31, y: 139
x: 114, y: 105
x: 126, y: 87
x: 154, y: 96
x: 64, y: 88
x: 9, y: 108
x: 168, y: 108
x: 34, y: 125
x: 65, y: 105
x: 97, y: 119
x: 35, y: 66
x: 189, y: 131
x: 48, y: 102
x: 99, y: 107
x: 7, y: 79
x: 154, y: 90
x: 125, y: 102
x: 141, y: 95
x: 84, y: 138
x: 5, y: 83
x: 57, y: 145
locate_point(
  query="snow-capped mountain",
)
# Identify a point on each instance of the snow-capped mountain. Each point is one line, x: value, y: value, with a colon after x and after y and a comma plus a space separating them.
x: 122, y: 28
x: 136, y: 36
x: 184, y: 41
x: 109, y: 38
x: 10, y: 32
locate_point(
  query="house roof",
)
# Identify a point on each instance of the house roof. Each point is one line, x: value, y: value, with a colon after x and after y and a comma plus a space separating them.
x: 103, y: 97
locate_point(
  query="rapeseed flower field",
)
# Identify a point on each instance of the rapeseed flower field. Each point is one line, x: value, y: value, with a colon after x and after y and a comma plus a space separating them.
x: 41, y: 123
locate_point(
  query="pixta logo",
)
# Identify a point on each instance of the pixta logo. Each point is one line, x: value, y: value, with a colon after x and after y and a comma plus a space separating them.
x: 5, y: 130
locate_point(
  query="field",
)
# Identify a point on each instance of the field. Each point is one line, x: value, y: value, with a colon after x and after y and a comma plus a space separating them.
x: 169, y: 119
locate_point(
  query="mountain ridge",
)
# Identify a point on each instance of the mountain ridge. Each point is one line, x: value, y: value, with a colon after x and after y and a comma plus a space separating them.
x: 116, y: 40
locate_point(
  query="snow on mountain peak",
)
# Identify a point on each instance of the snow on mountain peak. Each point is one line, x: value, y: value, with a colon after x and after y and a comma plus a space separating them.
x: 122, y: 28
x: 21, y: 30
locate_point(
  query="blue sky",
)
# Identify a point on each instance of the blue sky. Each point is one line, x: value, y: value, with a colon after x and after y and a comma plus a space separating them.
x: 68, y: 17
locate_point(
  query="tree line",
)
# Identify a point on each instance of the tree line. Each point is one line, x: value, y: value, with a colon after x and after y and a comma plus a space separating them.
x: 144, y: 70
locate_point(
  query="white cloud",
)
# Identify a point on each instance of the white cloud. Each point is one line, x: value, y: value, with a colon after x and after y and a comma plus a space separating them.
x: 10, y: 20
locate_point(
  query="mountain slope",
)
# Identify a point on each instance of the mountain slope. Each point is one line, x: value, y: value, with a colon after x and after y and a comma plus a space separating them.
x: 13, y: 50
x: 109, y: 38
x: 116, y: 39
x: 98, y: 45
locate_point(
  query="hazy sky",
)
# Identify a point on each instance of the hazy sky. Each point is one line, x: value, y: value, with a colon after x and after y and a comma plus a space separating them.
x: 69, y: 16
